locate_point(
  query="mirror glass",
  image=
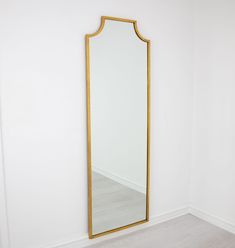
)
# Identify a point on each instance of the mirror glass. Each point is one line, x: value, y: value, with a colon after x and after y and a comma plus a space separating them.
x: 118, y: 126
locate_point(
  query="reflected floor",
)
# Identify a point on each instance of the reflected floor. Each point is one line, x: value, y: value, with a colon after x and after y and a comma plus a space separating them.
x: 115, y: 205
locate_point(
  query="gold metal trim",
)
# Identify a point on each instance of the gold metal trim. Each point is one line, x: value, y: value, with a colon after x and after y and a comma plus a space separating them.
x: 89, y: 162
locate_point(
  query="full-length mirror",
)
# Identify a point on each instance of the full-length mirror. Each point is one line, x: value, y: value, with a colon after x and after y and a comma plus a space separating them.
x: 118, y: 92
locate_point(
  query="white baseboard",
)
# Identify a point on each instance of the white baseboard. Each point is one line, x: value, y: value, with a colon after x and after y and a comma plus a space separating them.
x: 154, y: 220
x: 82, y: 242
x: 121, y: 180
x: 219, y: 222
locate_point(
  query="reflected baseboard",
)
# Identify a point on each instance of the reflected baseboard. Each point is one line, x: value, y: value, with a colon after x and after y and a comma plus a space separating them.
x: 120, y: 180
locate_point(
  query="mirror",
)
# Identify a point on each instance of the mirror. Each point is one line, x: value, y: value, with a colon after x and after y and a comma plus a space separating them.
x: 118, y: 97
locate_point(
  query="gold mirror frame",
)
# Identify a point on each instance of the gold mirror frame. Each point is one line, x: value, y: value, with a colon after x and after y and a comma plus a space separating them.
x: 87, y: 37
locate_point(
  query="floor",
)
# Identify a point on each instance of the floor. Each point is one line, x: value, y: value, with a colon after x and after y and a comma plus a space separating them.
x: 114, y: 205
x: 183, y: 232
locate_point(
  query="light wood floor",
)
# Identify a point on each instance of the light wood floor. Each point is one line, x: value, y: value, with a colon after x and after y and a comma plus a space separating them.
x: 114, y: 205
x: 183, y: 232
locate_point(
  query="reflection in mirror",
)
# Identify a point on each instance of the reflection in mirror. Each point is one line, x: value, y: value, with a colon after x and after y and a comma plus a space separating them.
x: 118, y: 126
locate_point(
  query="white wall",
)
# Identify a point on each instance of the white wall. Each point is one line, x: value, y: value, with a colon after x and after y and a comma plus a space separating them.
x: 213, y: 172
x: 42, y: 77
x: 4, y: 238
